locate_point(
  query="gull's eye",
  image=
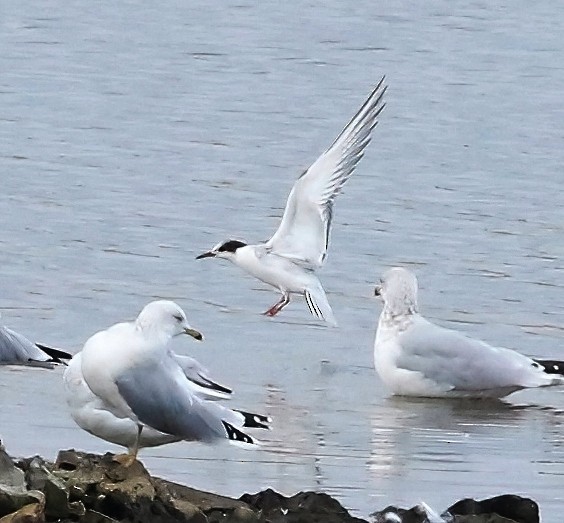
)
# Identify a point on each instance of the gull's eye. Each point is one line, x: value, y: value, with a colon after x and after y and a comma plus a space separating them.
x: 177, y: 317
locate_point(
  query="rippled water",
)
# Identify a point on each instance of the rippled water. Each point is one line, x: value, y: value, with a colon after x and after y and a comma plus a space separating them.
x: 132, y: 137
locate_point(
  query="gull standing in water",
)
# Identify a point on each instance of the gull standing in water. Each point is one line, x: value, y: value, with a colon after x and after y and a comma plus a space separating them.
x: 16, y: 349
x: 415, y: 357
x: 91, y: 414
x: 288, y: 260
x: 137, y: 392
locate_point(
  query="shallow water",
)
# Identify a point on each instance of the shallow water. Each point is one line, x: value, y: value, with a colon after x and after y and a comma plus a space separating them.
x: 134, y: 138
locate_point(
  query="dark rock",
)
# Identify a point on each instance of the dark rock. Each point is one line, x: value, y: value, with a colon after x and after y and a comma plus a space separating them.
x: 14, y: 493
x: 67, y: 460
x: 38, y: 477
x: 10, y: 475
x: 511, y: 508
x: 92, y: 516
x: 303, y: 507
x: 412, y: 515
x: 203, y: 507
x: 13, y: 499
x: 110, y: 492
x: 32, y: 513
x: 482, y: 518
x: 88, y: 488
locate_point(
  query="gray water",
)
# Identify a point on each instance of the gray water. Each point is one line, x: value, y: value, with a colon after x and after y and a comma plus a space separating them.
x: 134, y: 135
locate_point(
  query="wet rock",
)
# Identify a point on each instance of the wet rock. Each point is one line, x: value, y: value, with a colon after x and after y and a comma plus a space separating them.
x: 32, y: 513
x: 501, y: 509
x: 198, y: 506
x: 92, y: 516
x: 304, y: 506
x: 393, y: 514
x: 507, y: 509
x: 38, y: 477
x: 110, y: 492
x: 10, y: 475
x: 14, y: 493
x: 13, y: 499
x: 88, y: 488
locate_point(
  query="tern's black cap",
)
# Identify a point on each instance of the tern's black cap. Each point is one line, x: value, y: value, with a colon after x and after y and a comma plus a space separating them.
x: 231, y: 246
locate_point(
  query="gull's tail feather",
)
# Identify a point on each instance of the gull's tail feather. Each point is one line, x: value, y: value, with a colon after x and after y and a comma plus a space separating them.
x: 255, y: 421
x: 318, y: 305
x: 552, y: 366
x: 56, y: 355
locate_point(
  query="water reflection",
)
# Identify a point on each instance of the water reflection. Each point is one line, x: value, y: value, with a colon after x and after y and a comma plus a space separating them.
x: 471, y: 446
x: 107, y: 198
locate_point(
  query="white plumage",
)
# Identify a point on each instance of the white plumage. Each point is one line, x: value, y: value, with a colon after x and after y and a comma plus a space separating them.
x: 299, y: 246
x: 127, y: 387
x: 91, y: 414
x: 415, y: 357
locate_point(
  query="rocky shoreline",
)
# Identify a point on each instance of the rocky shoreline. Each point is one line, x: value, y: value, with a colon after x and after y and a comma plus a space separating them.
x: 89, y: 488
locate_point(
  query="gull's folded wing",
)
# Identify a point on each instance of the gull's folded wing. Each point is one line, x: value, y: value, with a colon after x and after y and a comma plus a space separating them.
x: 17, y: 349
x: 458, y: 362
x: 198, y: 374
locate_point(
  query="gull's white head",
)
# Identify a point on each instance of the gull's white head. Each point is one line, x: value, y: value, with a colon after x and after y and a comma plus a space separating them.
x: 165, y: 318
x: 226, y: 249
x: 398, y: 290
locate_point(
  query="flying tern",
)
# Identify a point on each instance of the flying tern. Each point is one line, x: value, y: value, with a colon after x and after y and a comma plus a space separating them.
x: 289, y: 259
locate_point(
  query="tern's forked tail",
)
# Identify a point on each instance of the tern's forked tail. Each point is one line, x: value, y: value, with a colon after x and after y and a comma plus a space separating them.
x: 318, y: 305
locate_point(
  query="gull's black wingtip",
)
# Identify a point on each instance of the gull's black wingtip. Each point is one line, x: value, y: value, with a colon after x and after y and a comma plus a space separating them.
x: 255, y: 421
x: 209, y: 384
x: 552, y: 366
x: 56, y: 355
x: 235, y: 434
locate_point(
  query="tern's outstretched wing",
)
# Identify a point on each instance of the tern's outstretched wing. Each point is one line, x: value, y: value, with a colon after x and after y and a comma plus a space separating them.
x: 303, y: 234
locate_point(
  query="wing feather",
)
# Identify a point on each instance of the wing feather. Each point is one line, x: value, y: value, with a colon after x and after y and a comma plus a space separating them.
x: 17, y: 349
x: 452, y: 359
x: 206, y: 387
x: 161, y: 398
x: 303, y: 234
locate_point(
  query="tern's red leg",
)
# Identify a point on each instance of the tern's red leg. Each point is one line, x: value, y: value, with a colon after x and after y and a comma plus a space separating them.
x: 278, y: 306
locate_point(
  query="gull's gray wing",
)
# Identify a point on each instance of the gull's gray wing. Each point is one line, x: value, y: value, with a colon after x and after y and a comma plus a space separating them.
x: 159, y: 395
x: 459, y: 362
x: 199, y: 375
x: 17, y: 349
x: 303, y: 234
x: 90, y: 413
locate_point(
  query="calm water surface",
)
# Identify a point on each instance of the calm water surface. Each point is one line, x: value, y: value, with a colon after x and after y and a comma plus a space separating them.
x: 133, y: 137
